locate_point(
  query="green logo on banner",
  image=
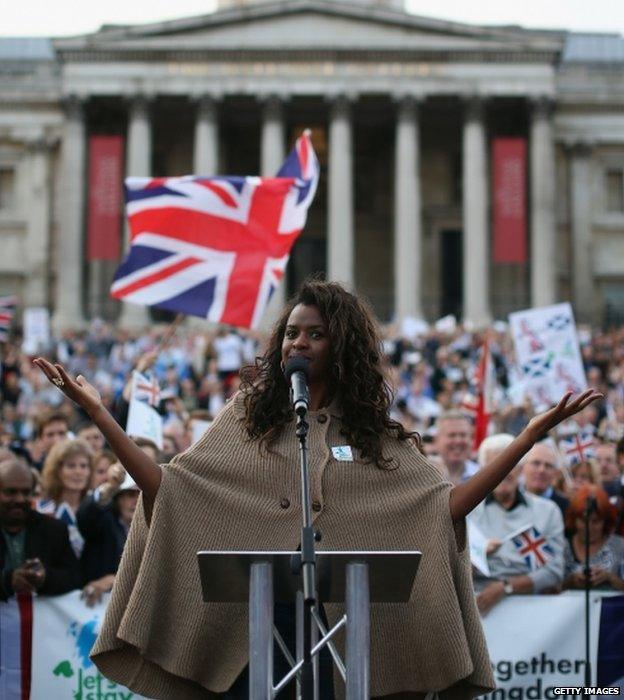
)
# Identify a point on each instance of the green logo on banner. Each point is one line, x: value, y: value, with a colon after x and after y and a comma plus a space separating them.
x: 90, y: 684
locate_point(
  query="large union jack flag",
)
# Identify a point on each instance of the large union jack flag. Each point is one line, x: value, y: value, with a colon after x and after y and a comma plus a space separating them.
x: 215, y: 247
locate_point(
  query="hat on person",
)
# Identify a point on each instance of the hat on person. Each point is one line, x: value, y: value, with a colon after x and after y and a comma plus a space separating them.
x: 128, y: 485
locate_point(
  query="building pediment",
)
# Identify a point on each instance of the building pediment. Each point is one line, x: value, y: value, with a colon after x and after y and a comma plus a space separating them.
x: 312, y: 26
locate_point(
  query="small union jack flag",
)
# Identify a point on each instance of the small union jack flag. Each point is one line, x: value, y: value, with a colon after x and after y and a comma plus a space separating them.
x: 7, y: 311
x: 145, y: 388
x: 215, y: 247
x: 534, y: 547
x: 578, y: 448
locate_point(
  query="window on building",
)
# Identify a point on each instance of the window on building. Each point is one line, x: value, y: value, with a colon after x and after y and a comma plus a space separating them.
x: 7, y: 188
x: 615, y: 190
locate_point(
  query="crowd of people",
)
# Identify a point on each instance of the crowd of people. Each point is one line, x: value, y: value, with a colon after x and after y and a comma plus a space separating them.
x: 66, y: 504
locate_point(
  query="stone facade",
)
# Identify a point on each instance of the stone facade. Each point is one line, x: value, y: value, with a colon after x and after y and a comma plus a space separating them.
x: 403, y: 111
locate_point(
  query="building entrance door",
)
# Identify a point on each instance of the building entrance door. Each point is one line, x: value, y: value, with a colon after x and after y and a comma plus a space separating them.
x: 451, y: 272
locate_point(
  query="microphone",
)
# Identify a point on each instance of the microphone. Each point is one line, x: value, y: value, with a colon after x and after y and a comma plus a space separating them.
x: 297, y: 373
x: 590, y: 505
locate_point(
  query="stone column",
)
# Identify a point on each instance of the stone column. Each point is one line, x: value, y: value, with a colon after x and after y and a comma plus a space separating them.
x: 272, y: 156
x: 70, y: 250
x: 476, y: 251
x: 542, y: 171
x: 407, y: 212
x: 138, y: 164
x: 36, y: 290
x: 340, y: 246
x: 582, y: 258
x: 206, y: 147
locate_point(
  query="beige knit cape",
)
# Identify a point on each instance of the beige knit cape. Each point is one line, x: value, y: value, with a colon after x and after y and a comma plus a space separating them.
x: 161, y: 640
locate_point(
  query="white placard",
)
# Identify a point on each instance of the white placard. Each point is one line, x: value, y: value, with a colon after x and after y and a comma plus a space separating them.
x: 145, y: 422
x: 547, y: 352
x: 199, y: 428
x: 36, y: 330
x: 478, y: 548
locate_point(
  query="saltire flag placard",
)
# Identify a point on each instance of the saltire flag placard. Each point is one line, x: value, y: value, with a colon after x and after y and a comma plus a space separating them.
x: 7, y: 311
x: 215, y: 247
x: 548, y: 353
x: 534, y: 547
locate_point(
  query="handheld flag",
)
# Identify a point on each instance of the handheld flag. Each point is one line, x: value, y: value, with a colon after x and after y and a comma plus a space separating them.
x: 481, y: 403
x: 7, y: 311
x: 534, y: 547
x: 144, y: 421
x: 578, y: 448
x: 215, y: 247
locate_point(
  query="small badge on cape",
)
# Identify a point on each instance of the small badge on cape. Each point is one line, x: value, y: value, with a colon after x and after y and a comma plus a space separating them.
x: 343, y: 453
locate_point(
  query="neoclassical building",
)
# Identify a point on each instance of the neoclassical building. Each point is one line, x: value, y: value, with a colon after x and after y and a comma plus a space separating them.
x: 465, y: 169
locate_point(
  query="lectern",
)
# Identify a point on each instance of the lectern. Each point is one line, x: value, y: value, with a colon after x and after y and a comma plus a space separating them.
x: 262, y: 578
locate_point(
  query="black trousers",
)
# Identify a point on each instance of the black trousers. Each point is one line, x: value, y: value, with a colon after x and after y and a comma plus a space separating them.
x: 285, y: 621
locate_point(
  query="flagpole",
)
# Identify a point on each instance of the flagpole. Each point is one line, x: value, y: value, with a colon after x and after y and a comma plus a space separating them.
x: 169, y: 333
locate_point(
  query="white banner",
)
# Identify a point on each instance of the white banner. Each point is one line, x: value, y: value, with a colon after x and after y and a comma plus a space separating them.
x: 548, y: 354
x: 538, y: 642
x: 36, y: 325
x: 64, y: 630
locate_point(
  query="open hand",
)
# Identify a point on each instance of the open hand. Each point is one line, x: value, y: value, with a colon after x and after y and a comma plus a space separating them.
x: 92, y: 593
x: 492, y: 546
x: 599, y: 576
x: 566, y: 408
x: 78, y: 390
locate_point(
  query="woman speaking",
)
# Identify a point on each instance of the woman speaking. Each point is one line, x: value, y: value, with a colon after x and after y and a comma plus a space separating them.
x: 238, y: 488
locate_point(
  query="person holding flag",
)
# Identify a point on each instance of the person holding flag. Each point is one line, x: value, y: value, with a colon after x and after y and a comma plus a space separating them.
x: 524, y: 534
x: 237, y: 488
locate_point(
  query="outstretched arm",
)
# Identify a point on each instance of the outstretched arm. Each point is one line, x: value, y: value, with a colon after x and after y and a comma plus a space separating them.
x: 465, y: 497
x: 145, y: 472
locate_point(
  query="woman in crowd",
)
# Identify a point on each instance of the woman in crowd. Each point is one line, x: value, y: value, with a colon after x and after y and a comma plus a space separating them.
x: 238, y: 488
x: 606, y: 550
x: 104, y: 519
x: 65, y: 479
x: 586, y: 473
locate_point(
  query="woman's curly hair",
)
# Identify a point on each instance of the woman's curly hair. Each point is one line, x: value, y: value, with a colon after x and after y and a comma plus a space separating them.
x: 356, y: 376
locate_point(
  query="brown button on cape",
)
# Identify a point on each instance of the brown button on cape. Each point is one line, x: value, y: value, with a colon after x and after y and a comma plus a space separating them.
x: 161, y: 640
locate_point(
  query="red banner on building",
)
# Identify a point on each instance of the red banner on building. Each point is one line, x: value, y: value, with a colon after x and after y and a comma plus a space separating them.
x: 509, y: 200
x: 105, y: 197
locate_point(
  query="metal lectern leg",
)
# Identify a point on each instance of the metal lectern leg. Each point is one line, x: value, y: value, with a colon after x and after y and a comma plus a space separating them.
x: 261, y: 631
x: 358, y: 632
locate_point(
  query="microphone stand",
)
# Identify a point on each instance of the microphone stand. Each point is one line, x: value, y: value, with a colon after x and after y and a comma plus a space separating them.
x: 587, y: 572
x: 307, y: 561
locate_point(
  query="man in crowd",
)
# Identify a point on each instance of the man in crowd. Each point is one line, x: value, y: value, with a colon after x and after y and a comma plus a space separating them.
x: 35, y: 553
x: 91, y: 434
x: 539, y: 469
x: 51, y: 428
x: 524, y: 536
x: 609, y: 470
x: 454, y: 443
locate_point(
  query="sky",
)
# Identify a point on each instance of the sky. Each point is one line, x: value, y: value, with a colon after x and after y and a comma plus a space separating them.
x: 67, y: 17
